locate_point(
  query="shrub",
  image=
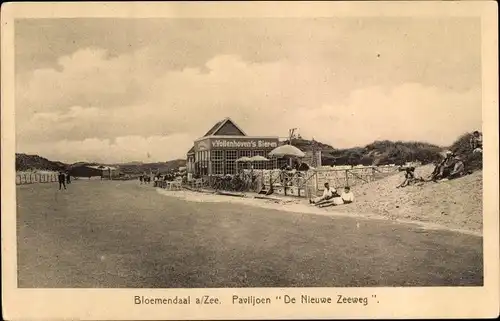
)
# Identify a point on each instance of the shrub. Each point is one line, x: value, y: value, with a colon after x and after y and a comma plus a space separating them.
x: 461, y: 147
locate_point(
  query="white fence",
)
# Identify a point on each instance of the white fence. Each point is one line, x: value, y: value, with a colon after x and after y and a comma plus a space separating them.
x: 23, y: 178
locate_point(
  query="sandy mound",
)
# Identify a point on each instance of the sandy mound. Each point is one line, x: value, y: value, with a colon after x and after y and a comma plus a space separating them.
x: 456, y: 204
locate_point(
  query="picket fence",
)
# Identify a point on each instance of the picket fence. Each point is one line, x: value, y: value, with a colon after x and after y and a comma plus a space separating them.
x: 33, y: 178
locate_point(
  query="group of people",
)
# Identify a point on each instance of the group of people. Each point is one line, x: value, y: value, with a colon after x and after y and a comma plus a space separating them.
x: 331, y: 197
x: 146, y: 179
x: 452, y: 166
x: 63, y: 179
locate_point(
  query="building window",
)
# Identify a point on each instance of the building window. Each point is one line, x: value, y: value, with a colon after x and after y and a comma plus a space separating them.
x: 259, y: 153
x: 217, y: 167
x: 217, y: 155
x: 245, y: 153
x: 231, y: 157
x: 273, y: 163
x: 217, y: 158
x: 260, y: 165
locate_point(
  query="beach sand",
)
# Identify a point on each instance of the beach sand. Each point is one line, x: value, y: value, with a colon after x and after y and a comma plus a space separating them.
x: 442, y: 205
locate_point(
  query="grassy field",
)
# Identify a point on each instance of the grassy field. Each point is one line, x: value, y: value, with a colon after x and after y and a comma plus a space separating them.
x: 121, y: 234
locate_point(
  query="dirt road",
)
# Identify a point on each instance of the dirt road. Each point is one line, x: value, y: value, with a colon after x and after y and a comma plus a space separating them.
x: 120, y: 234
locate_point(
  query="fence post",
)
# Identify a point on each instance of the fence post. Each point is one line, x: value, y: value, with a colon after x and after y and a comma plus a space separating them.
x: 315, y: 183
x: 346, y: 177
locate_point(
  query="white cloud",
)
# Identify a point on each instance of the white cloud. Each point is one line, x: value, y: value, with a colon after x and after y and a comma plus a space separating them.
x: 130, y: 109
x: 122, y: 149
x: 407, y: 112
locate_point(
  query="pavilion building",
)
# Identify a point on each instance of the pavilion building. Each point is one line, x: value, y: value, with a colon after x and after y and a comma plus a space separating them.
x: 217, y: 151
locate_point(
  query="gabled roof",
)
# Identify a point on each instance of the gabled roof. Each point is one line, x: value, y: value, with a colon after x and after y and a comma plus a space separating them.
x: 190, y: 151
x: 214, y: 128
x: 220, y: 124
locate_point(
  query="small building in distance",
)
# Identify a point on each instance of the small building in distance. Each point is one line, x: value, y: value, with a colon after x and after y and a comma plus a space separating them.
x: 89, y: 171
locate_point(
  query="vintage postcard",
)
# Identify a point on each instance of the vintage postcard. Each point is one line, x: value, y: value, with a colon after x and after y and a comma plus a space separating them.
x: 249, y: 160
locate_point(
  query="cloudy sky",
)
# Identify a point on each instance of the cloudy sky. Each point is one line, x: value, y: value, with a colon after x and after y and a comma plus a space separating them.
x: 114, y: 90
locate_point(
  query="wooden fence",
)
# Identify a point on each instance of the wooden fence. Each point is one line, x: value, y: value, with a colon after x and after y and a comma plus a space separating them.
x: 32, y: 178
x: 311, y: 183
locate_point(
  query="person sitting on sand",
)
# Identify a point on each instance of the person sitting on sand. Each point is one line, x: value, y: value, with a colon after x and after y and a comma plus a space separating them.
x: 347, y: 196
x: 458, y: 168
x: 444, y: 167
x: 436, y: 171
x: 448, y: 166
x: 328, y: 193
x: 409, y: 177
x: 476, y: 142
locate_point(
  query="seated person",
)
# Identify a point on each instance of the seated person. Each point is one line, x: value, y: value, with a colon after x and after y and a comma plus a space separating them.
x: 448, y: 166
x: 444, y: 168
x: 328, y: 194
x: 347, y: 196
x: 476, y: 142
x: 458, y: 169
x: 436, y: 171
x: 409, y: 177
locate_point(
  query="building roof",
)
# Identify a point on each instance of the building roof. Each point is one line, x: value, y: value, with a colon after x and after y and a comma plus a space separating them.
x: 213, y: 129
x: 101, y: 167
x: 190, y: 151
x: 219, y: 125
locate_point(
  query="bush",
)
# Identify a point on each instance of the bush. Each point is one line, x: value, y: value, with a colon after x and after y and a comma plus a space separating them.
x: 461, y: 147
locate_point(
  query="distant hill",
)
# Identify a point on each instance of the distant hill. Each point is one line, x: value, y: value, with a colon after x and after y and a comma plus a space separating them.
x: 306, y: 145
x: 384, y: 153
x: 26, y: 162
x: 377, y: 153
x: 390, y: 152
x: 133, y: 163
x: 139, y: 168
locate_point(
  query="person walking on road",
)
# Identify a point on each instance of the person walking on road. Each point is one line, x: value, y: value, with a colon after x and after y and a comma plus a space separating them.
x: 62, y: 180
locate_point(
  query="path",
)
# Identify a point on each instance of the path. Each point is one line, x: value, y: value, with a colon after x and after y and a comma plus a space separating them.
x: 120, y: 234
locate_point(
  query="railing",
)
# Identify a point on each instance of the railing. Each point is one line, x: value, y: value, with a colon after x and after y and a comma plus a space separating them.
x: 33, y: 178
x: 293, y: 183
x: 311, y: 183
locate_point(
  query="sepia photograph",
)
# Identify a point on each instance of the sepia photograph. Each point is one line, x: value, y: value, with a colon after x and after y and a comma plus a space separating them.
x: 230, y: 152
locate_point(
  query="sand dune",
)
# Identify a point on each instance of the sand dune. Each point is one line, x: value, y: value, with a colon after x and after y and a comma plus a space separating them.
x: 456, y: 204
